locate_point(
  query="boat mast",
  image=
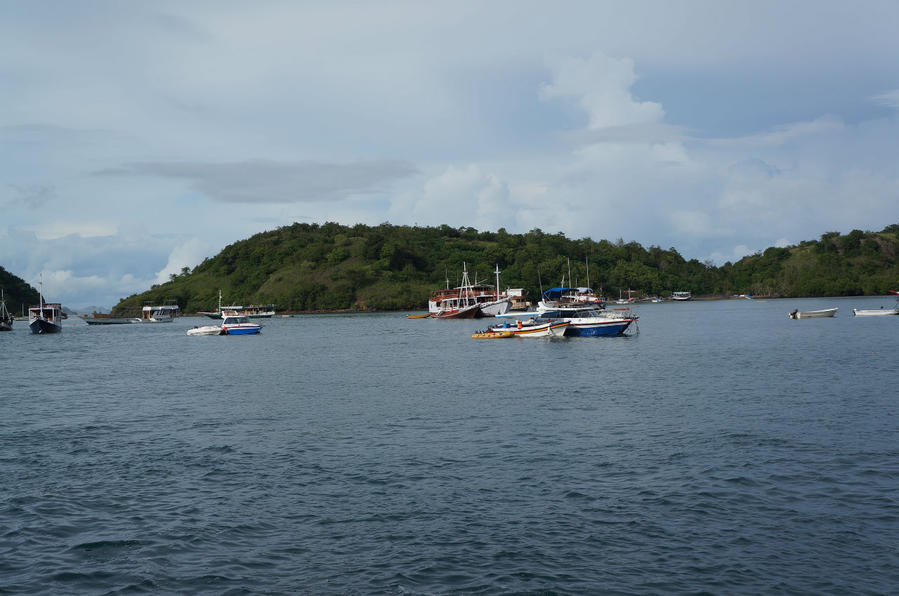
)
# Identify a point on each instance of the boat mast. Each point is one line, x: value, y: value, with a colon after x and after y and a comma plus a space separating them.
x: 497, y: 280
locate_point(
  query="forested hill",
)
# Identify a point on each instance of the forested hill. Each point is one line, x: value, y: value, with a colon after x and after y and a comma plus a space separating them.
x: 17, y: 292
x: 311, y: 267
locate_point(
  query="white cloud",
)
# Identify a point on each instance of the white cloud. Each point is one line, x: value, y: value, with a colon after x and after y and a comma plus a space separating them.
x: 601, y: 87
x: 187, y: 254
x: 889, y: 99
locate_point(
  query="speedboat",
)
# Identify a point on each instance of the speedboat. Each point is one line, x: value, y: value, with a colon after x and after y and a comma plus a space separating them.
x: 585, y: 320
x: 237, y: 324
x: 206, y: 330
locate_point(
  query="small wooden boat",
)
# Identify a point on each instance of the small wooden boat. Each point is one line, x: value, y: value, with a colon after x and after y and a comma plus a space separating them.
x: 498, y: 334
x: 419, y: 316
x: 813, y: 314
x: 535, y: 328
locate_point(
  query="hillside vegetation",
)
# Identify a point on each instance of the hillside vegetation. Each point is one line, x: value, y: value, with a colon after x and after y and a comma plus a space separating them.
x: 17, y: 292
x: 311, y: 267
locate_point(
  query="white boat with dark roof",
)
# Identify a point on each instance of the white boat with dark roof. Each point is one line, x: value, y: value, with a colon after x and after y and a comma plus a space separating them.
x: 45, y: 317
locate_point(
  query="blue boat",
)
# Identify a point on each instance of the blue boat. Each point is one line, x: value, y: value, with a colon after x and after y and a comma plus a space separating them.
x: 236, y: 324
x: 585, y: 320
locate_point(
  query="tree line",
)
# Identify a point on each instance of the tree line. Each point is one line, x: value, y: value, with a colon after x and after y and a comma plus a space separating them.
x: 330, y: 267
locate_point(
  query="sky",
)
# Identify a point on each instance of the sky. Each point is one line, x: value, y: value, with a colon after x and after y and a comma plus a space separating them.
x: 138, y: 138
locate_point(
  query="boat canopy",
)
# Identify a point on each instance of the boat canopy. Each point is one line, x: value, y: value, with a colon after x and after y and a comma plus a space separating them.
x: 556, y: 293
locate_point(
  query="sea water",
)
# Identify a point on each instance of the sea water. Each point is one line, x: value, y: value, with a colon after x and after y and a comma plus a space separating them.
x: 724, y: 449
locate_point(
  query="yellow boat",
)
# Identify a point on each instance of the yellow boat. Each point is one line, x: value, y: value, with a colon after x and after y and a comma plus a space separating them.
x: 424, y: 316
x: 492, y: 334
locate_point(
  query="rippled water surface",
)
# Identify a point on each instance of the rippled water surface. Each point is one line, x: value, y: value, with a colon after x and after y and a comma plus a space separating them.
x: 724, y: 449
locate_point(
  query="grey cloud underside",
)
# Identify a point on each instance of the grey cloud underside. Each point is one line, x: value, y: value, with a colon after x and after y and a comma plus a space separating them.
x: 276, y: 182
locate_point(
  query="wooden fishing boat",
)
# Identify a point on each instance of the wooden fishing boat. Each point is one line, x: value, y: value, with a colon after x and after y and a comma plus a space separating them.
x: 419, y: 316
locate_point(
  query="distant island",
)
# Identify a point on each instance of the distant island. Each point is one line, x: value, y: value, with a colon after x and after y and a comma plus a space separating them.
x: 332, y: 267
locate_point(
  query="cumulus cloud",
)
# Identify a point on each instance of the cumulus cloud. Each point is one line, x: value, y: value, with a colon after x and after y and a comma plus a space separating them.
x: 601, y: 87
x: 264, y: 181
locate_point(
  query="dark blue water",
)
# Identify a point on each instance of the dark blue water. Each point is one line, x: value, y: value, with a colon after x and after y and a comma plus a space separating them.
x: 725, y: 449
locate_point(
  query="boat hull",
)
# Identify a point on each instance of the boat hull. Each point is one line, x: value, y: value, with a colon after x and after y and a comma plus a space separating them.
x: 42, y: 327
x: 469, y: 312
x: 242, y: 330
x: 110, y: 321
x: 874, y: 312
x: 600, y: 329
x: 205, y: 330
x: 813, y: 314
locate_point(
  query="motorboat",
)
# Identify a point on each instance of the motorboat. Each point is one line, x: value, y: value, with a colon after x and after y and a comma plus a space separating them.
x: 875, y: 312
x: 206, y: 330
x: 238, y: 324
x: 813, y: 314
x: 585, y: 320
x: 681, y: 296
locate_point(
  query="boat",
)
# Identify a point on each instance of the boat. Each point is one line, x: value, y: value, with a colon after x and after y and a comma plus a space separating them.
x: 875, y: 312
x: 104, y: 319
x: 46, y: 317
x: 681, y: 296
x: 264, y: 311
x: 419, y: 316
x: 6, y: 319
x: 453, y: 303
x: 206, y: 330
x: 497, y: 334
x: 235, y: 323
x: 585, y: 320
x: 158, y: 314
x: 813, y: 314
x: 534, y: 327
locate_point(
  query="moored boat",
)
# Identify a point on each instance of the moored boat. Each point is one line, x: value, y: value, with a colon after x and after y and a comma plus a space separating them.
x: 206, y: 330
x: 875, y: 312
x: 158, y: 314
x: 238, y: 324
x: 495, y: 334
x: 489, y: 300
x: 681, y: 296
x: 6, y: 319
x: 535, y: 327
x: 585, y: 320
x: 813, y: 314
x: 46, y: 317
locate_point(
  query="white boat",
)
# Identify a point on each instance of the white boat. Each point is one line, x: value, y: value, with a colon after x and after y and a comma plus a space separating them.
x: 533, y: 328
x: 266, y: 311
x: 875, y: 312
x: 158, y: 314
x: 681, y: 296
x: 585, y: 320
x: 238, y: 324
x: 813, y: 314
x: 6, y: 319
x: 206, y: 330
x: 46, y: 317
